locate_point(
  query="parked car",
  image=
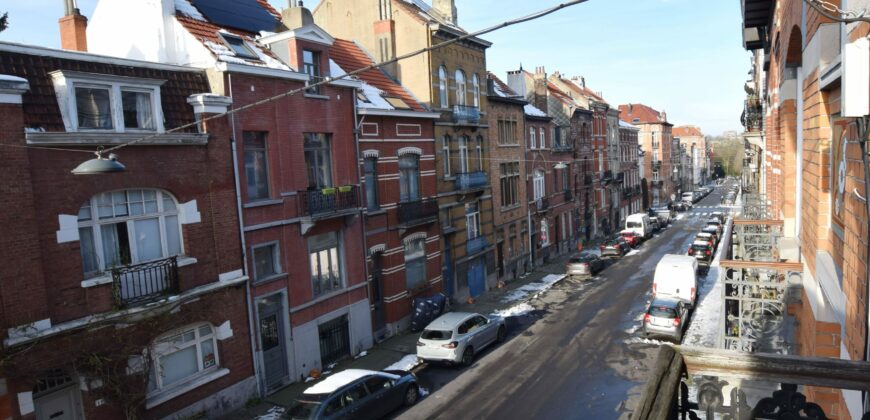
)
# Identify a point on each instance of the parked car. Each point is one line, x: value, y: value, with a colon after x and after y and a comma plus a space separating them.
x: 654, y: 223
x: 718, y: 215
x: 665, y: 316
x: 357, y: 394
x: 682, y: 206
x: 715, y: 222
x: 713, y: 230
x: 583, y: 265
x: 706, y: 237
x: 689, y: 197
x: 632, y: 237
x: 677, y: 276
x: 702, y: 251
x: 664, y: 214
x: 456, y: 337
x: 614, y: 247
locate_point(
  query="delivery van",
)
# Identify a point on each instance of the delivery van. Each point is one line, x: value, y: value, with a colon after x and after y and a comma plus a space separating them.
x: 676, y: 275
x: 640, y: 224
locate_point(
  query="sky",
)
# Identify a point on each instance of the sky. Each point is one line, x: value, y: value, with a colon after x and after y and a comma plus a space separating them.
x: 680, y: 56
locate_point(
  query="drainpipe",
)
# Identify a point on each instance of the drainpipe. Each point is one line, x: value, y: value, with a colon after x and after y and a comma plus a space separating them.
x: 362, y: 220
x: 248, y: 297
x: 864, y: 130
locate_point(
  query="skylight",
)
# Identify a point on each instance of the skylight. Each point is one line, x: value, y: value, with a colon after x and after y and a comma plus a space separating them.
x: 396, y: 102
x: 239, y: 46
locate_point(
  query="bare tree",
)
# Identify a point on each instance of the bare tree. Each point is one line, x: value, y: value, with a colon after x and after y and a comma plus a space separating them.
x: 4, y: 21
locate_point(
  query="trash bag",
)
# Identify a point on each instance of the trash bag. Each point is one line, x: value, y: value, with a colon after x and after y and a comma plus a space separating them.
x: 425, y: 309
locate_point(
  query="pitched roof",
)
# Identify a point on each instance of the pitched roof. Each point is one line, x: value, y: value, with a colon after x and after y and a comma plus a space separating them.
x: 422, y: 11
x: 501, y: 89
x: 377, y: 85
x: 640, y: 114
x: 580, y: 89
x: 206, y: 32
x: 687, y: 131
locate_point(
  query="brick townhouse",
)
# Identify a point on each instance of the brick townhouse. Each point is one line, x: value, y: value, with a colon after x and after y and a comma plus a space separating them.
x: 560, y: 138
x: 122, y: 294
x: 695, y: 144
x: 657, y: 140
x: 397, y: 162
x: 508, y: 163
x: 450, y: 81
x: 803, y: 136
x: 300, y: 202
x: 628, y: 161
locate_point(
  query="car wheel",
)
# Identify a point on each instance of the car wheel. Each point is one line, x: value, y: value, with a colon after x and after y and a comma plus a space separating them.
x: 412, y: 395
x: 468, y: 356
x: 502, y: 334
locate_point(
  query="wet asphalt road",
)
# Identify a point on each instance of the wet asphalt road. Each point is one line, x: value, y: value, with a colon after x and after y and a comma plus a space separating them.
x: 579, y: 356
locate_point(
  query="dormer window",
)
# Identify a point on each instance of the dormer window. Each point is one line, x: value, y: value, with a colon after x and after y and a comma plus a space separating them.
x: 311, y: 66
x: 239, y: 46
x: 100, y: 102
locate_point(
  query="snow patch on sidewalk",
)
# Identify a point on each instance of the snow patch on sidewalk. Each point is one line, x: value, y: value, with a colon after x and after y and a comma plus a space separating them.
x: 274, y: 413
x: 706, y: 319
x: 533, y: 289
x: 410, y: 361
x: 516, y: 310
x: 632, y: 252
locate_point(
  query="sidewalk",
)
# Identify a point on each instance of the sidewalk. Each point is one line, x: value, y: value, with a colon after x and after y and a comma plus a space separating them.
x: 511, y: 300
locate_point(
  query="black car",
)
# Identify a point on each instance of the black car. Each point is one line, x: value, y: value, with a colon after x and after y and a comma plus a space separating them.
x: 585, y: 264
x: 357, y: 394
x: 717, y: 224
x: 702, y: 251
x: 712, y: 230
x: 614, y: 247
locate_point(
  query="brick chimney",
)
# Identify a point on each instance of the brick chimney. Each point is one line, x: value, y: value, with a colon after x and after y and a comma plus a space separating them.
x: 447, y: 9
x: 73, y: 28
x: 540, y: 97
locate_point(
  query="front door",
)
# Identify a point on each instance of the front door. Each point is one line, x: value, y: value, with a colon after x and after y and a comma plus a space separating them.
x: 58, y: 405
x: 476, y: 277
x: 378, y: 322
x: 272, y: 342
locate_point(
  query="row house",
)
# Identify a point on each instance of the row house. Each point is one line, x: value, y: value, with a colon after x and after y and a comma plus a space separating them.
x: 697, y: 149
x: 124, y: 289
x: 656, y: 138
x: 449, y: 81
x: 805, y: 119
x: 556, y: 129
x: 397, y: 163
x: 629, y: 166
x: 506, y: 117
x: 301, y: 211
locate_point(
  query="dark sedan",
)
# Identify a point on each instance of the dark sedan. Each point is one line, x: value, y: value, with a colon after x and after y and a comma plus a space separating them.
x: 357, y: 394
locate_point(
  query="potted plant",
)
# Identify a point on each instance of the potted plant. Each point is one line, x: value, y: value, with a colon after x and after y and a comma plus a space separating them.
x: 344, y: 188
x: 328, y: 191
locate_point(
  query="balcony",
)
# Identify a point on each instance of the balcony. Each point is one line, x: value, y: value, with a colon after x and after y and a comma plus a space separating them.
x: 753, y: 115
x: 563, y: 147
x: 415, y: 213
x: 542, y: 204
x: 473, y: 246
x: 464, y: 114
x: 656, y: 165
x: 329, y: 202
x: 606, y: 176
x: 470, y: 181
x: 620, y: 177
x: 658, y: 184
x: 142, y: 283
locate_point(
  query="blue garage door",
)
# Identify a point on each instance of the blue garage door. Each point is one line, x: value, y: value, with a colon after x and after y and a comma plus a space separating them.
x: 477, y: 277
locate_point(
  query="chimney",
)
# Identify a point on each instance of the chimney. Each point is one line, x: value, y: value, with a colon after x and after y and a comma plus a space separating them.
x: 296, y: 16
x: 447, y: 9
x: 540, y: 94
x: 516, y: 80
x: 73, y: 28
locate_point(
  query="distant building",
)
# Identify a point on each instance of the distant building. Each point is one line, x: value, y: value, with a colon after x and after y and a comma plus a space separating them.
x: 696, y: 147
x: 657, y: 140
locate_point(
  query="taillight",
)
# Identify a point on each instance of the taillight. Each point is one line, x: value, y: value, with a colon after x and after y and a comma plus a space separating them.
x: 690, y: 251
x: 693, y: 293
x: 420, y: 344
x: 708, y: 252
x: 677, y: 322
x: 654, y: 288
x: 646, y: 319
x: 450, y: 345
x: 602, y: 247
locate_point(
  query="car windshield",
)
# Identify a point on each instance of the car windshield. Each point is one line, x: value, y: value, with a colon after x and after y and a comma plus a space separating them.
x: 662, y: 311
x: 634, y: 224
x: 700, y: 247
x: 304, y: 410
x: 436, y: 335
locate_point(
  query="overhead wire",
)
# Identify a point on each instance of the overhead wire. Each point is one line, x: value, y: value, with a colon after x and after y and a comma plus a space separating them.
x: 828, y: 10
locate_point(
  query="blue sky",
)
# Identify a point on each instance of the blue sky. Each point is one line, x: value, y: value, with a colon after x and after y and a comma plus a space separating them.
x: 681, y: 56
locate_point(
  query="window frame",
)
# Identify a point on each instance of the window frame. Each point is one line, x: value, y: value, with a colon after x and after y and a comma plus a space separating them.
x: 265, y: 151
x: 276, y: 260
x: 314, y: 69
x: 472, y: 221
x: 371, y: 189
x: 66, y: 82
x: 327, y: 140
x: 461, y: 88
x: 246, y: 50
x: 445, y: 149
x: 443, y: 87
x: 417, y: 248
x: 339, y: 254
x: 475, y: 90
x: 95, y: 224
x: 533, y: 142
x: 542, y: 137
x: 509, y: 180
x: 464, y: 166
x: 539, y: 184
x: 407, y: 176
x: 156, y: 378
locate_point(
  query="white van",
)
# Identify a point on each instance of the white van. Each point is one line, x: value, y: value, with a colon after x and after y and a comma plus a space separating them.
x: 639, y: 223
x: 689, y: 197
x: 676, y: 275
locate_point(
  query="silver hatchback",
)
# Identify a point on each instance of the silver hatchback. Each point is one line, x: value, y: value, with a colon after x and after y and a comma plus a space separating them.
x: 455, y: 337
x: 667, y: 317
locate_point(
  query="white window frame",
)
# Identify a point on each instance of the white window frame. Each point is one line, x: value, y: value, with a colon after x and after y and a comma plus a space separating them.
x: 445, y: 149
x: 533, y: 143
x: 161, y: 347
x: 463, y: 154
x: 341, y: 266
x: 543, y: 139
x: 461, y: 88
x: 95, y: 223
x: 539, y: 184
x: 419, y: 257
x: 65, y: 83
x: 276, y: 260
x: 475, y: 90
x: 472, y: 221
x: 479, y: 150
x: 443, y: 96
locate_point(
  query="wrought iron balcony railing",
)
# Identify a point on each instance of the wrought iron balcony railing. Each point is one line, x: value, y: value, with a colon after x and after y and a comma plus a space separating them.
x: 476, y: 245
x: 563, y: 147
x: 656, y: 165
x: 142, y: 283
x: 413, y: 213
x: 464, y: 114
x: 542, y: 204
x: 328, y: 201
x: 753, y: 115
x: 470, y: 181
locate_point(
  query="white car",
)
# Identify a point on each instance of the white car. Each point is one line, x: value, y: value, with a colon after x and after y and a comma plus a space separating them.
x: 455, y: 337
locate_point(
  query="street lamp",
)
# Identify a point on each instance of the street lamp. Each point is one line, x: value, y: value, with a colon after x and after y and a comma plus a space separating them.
x: 100, y: 165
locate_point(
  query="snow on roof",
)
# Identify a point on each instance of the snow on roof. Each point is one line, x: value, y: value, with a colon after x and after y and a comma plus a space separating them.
x: 705, y: 235
x: 185, y: 7
x: 334, y: 382
x: 531, y: 110
x: 700, y: 243
x: 14, y: 79
x: 373, y: 98
x: 624, y: 124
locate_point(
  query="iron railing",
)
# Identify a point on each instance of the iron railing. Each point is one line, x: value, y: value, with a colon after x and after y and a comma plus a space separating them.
x: 470, y: 180
x: 753, y: 114
x: 542, y: 204
x: 620, y: 177
x: 476, y: 245
x: 418, y: 212
x: 563, y: 147
x: 140, y: 283
x: 464, y: 114
x: 328, y: 201
x: 656, y: 165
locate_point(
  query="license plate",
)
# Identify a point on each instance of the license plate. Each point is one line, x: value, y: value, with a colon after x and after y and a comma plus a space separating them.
x: 661, y: 322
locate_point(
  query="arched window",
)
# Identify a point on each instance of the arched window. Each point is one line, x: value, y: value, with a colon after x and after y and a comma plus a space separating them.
x: 475, y: 90
x: 181, y: 355
x: 442, y: 87
x: 461, y: 88
x: 539, y: 184
x: 127, y: 227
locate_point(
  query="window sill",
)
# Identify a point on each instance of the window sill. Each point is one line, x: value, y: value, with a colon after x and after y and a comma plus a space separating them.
x: 162, y: 396
x: 377, y: 212
x: 263, y: 203
x: 509, y: 208
x: 316, y: 96
x: 106, y: 278
x: 271, y: 278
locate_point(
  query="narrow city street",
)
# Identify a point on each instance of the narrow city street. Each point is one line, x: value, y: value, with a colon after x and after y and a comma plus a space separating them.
x: 580, y: 355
